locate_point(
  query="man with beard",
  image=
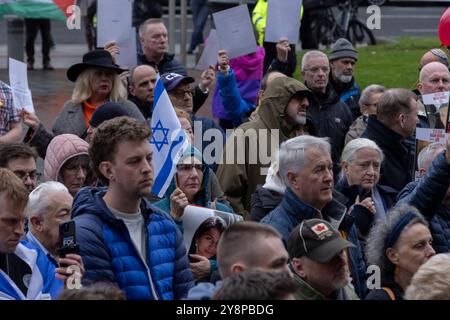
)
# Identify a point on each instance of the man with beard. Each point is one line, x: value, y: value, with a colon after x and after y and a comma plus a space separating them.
x: 343, y: 58
x: 123, y: 238
x: 317, y: 253
x: 285, y: 103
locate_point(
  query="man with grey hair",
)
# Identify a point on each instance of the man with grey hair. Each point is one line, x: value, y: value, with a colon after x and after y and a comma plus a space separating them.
x: 49, y: 205
x: 368, y: 106
x: 307, y: 170
x: 331, y: 117
x: 431, y: 194
x: 154, y: 41
x: 396, y: 120
x: 343, y: 58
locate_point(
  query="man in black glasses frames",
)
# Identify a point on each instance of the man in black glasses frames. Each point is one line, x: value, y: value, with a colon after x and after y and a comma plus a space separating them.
x: 20, y: 159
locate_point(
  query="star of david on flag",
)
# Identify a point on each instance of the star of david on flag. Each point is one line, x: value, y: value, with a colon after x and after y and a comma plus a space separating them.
x: 168, y: 140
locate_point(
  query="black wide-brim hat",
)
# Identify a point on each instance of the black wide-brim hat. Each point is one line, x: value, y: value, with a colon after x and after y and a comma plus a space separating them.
x: 96, y: 58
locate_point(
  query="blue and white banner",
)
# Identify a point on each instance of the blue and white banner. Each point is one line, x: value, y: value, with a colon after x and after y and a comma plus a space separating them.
x: 168, y: 140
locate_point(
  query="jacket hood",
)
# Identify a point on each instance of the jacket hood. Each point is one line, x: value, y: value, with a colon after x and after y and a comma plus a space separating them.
x: 62, y: 148
x: 275, y: 100
x: 202, y: 197
x: 273, y: 181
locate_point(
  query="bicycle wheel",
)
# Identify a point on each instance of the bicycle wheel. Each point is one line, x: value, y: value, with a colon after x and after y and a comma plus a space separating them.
x: 326, y: 33
x: 359, y: 34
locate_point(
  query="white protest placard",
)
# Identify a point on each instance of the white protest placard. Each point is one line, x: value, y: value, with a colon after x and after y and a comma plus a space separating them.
x: 436, y: 99
x: 113, y: 21
x: 209, y: 54
x: 425, y: 136
x: 430, y: 135
x: 127, y: 58
x: 283, y: 20
x: 18, y: 81
x: 235, y: 31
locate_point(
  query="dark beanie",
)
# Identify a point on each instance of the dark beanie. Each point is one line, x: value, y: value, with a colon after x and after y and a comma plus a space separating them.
x: 107, y: 111
x: 342, y: 48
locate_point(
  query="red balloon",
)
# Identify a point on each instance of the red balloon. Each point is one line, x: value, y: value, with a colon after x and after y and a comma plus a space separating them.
x: 444, y: 28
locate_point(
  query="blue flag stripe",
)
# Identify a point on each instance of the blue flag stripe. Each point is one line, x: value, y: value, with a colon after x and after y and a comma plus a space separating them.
x: 159, y: 89
x: 166, y: 168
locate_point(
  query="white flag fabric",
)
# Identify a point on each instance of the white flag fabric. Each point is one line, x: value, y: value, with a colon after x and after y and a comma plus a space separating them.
x: 168, y: 140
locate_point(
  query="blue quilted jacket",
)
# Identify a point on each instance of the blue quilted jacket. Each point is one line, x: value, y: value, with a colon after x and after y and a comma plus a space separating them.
x: 109, y: 254
x: 292, y: 211
x: 427, y: 195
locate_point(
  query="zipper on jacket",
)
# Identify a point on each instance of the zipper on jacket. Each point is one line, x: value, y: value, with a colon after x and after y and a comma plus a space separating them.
x: 153, y: 289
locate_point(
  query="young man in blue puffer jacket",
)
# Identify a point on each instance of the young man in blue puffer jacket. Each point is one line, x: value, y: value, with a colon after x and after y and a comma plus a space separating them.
x: 122, y: 237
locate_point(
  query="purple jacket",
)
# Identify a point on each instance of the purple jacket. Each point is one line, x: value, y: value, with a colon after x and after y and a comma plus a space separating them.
x: 248, y: 71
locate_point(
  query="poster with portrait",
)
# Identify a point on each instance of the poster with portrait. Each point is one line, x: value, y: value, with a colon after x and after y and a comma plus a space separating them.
x: 424, y: 137
x: 436, y: 106
x: 194, y: 216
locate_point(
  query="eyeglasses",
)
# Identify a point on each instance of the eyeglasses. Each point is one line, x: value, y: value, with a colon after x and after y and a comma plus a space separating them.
x: 23, y: 175
x: 317, y: 69
x: 180, y: 94
x: 189, y: 167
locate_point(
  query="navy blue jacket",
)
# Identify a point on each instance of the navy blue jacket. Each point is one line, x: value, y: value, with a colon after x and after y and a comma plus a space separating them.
x: 364, y: 218
x: 427, y: 195
x: 397, y: 169
x: 109, y: 254
x: 292, y: 211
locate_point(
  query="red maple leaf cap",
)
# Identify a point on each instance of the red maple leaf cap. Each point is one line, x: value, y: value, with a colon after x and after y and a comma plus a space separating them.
x: 319, y: 228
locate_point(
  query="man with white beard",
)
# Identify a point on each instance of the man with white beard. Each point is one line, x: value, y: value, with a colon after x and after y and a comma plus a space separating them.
x: 343, y: 58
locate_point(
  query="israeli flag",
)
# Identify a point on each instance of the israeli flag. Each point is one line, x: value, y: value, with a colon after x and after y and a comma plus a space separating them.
x: 168, y: 140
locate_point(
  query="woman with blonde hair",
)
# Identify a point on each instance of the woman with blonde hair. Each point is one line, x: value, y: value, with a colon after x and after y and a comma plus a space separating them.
x: 96, y: 81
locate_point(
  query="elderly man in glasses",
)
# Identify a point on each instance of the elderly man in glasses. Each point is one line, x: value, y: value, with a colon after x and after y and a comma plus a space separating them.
x: 331, y: 116
x: 20, y: 159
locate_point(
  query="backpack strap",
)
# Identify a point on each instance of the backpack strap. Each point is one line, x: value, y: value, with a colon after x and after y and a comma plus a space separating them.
x: 389, y: 292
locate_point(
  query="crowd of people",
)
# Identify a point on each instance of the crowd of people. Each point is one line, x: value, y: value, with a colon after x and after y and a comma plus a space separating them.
x: 332, y: 192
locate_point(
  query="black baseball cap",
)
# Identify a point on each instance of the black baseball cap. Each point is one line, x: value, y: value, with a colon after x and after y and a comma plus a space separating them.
x: 317, y: 239
x: 172, y: 80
